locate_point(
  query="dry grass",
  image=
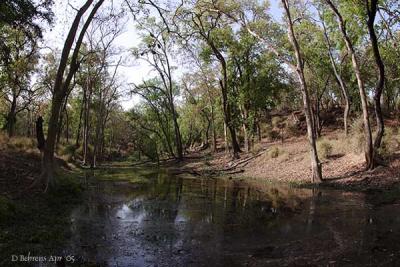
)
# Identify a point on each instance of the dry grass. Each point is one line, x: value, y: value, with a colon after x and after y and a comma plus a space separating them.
x: 273, y: 152
x: 324, y: 148
x: 17, y: 143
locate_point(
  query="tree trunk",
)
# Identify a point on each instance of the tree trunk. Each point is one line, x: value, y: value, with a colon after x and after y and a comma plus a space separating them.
x: 226, y: 139
x: 371, y: 11
x: 339, y: 80
x: 86, y: 126
x: 60, y: 123
x: 258, y: 129
x: 228, y: 115
x: 67, y: 125
x: 369, y: 149
x: 12, y: 117
x: 225, y: 102
x: 98, y: 129
x: 214, y: 131
x: 245, y: 130
x: 60, y: 88
x: 315, y: 164
x: 78, y: 132
x: 178, y: 138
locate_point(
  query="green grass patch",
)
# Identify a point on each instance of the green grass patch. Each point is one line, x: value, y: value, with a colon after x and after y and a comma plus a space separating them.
x: 131, y: 175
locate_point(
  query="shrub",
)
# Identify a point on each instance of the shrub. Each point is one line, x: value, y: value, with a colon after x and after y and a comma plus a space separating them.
x: 324, y: 148
x: 390, y: 143
x: 79, y: 151
x: 69, y: 150
x: 276, y: 121
x: 356, y: 138
x: 3, y: 140
x: 357, y: 126
x: 267, y: 132
x: 274, y: 152
x: 292, y: 129
x: 21, y: 143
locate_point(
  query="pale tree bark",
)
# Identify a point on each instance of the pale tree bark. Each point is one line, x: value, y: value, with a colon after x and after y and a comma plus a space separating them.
x: 338, y: 79
x: 226, y: 139
x: 78, y: 132
x: 315, y: 164
x: 369, y: 149
x: 61, y: 86
x: 86, y: 122
x: 214, y: 131
x: 12, y: 117
x: 371, y: 12
x: 247, y: 142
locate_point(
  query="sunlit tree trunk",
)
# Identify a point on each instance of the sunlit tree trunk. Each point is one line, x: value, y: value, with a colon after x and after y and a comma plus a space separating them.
x: 78, y: 132
x: 339, y: 80
x: 315, y: 164
x: 86, y: 124
x: 226, y: 143
x: 12, y: 117
x: 369, y: 149
x: 371, y: 11
x: 97, y: 139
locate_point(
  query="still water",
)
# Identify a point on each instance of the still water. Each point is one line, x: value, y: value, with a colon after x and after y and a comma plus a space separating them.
x: 156, y: 219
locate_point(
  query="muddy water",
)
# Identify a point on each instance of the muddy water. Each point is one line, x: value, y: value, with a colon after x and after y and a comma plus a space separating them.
x: 161, y: 220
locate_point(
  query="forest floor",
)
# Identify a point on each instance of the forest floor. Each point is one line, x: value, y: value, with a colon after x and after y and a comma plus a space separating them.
x: 30, y: 220
x: 289, y: 162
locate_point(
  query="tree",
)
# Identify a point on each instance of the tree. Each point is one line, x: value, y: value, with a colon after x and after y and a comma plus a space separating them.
x: 299, y: 68
x: 156, y: 50
x: 371, y: 12
x: 210, y: 26
x: 25, y: 14
x: 17, y: 65
x: 369, y: 149
x: 338, y: 77
x: 61, y: 86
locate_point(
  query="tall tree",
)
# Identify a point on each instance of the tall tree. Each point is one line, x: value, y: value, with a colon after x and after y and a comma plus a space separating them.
x: 61, y: 86
x: 338, y: 77
x: 299, y: 68
x: 157, y: 51
x: 16, y: 66
x: 210, y: 26
x: 372, y: 7
x: 369, y: 149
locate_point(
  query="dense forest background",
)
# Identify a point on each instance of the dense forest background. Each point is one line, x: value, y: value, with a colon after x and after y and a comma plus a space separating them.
x: 225, y: 76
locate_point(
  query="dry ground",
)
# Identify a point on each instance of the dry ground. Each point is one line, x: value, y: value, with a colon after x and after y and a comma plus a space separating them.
x: 292, y: 165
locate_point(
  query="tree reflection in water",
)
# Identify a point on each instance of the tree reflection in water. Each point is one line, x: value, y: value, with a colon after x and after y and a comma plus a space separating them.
x: 169, y: 221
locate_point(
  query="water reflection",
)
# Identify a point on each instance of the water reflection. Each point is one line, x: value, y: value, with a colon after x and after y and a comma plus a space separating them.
x: 170, y: 221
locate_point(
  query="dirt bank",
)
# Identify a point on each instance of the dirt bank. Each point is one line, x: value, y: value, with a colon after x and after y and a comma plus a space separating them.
x: 289, y: 162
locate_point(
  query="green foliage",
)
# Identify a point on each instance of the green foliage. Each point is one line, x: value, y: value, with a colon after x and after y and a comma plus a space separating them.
x: 25, y: 14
